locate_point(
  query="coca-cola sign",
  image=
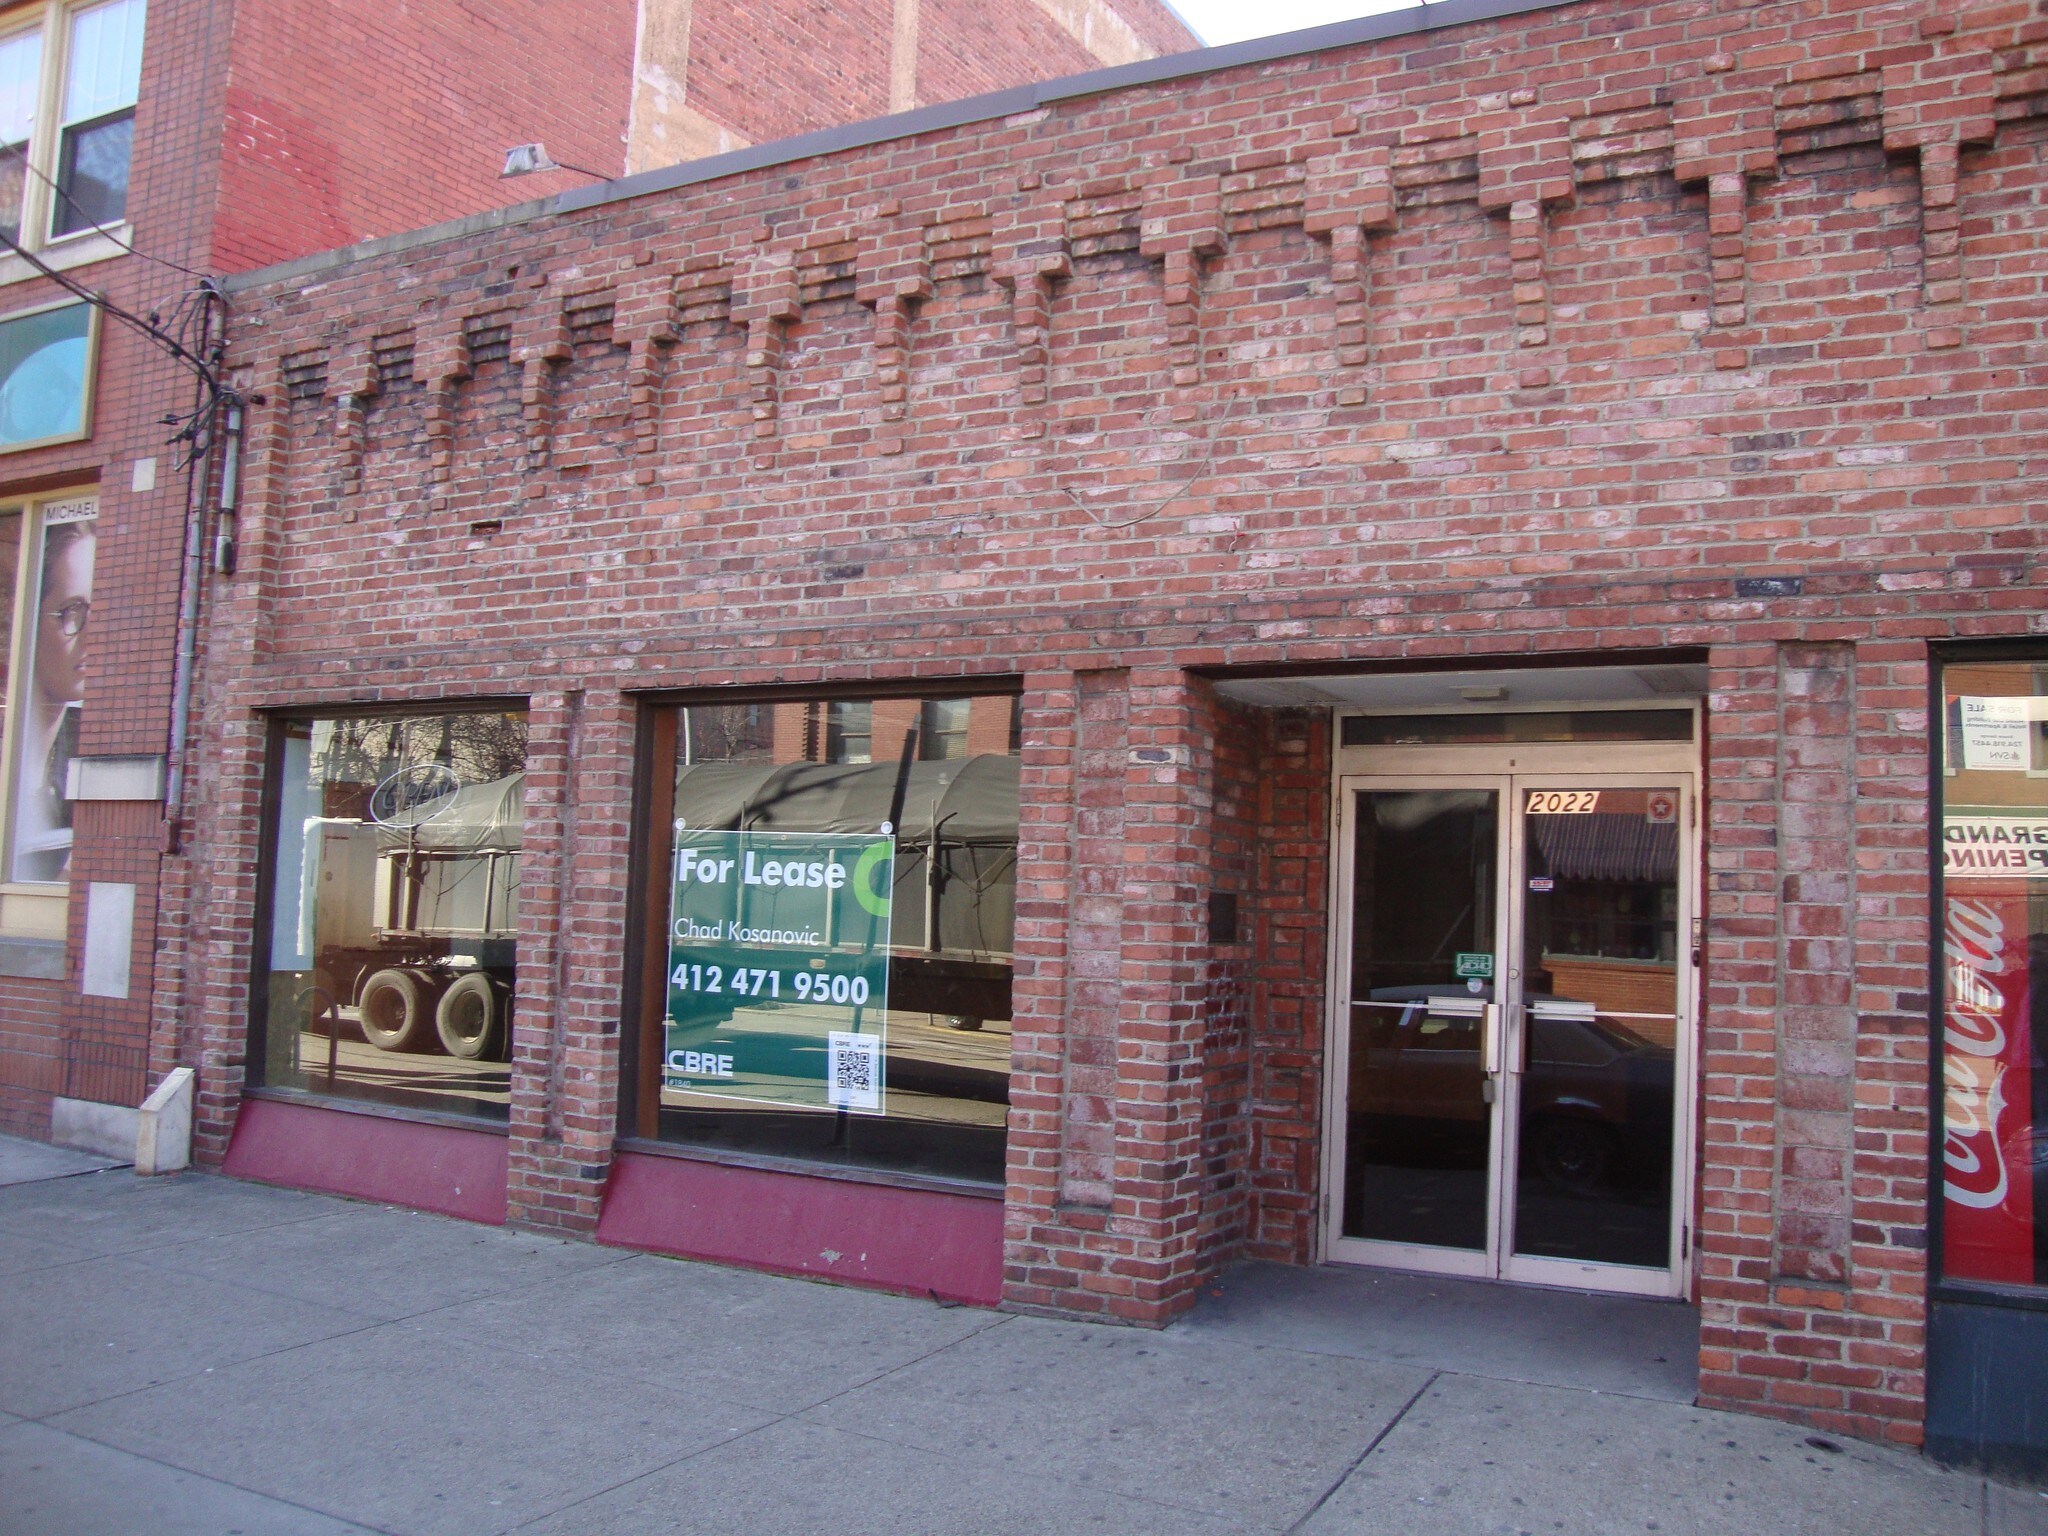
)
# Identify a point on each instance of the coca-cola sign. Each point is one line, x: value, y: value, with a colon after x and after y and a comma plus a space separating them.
x: 1987, y: 1112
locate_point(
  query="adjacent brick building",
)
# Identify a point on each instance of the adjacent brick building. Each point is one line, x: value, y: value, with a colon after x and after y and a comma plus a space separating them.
x: 712, y: 76
x: 210, y: 146
x: 1503, y: 541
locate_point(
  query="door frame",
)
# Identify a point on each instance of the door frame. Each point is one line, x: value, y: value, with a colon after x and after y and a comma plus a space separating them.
x: 1336, y: 1247
x: 1512, y: 768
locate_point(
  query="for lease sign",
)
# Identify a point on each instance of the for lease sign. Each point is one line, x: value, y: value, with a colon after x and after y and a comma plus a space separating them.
x: 778, y: 968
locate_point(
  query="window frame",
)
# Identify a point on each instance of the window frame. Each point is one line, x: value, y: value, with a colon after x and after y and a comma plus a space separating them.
x: 28, y: 908
x: 255, y: 971
x: 643, y: 996
x: 840, y: 735
x: 1942, y: 1287
x: 930, y: 732
x: 88, y: 389
x: 39, y: 199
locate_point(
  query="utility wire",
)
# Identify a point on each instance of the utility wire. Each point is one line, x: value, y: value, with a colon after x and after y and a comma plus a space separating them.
x: 71, y: 203
x: 177, y: 340
x: 196, y: 428
x: 153, y: 331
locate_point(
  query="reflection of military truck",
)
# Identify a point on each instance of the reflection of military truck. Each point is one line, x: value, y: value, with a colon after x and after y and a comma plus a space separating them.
x: 414, y: 920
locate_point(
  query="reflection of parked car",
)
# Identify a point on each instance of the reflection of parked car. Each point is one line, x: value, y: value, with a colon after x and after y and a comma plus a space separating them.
x: 1596, y: 1100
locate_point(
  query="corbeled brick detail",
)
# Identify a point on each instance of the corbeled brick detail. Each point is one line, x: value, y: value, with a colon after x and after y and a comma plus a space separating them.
x: 1243, y: 377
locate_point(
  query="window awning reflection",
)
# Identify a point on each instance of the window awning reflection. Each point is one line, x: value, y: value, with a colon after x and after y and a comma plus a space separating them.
x: 474, y: 818
x: 1605, y: 847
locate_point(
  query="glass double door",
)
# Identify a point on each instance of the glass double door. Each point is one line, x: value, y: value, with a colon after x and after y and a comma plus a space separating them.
x: 1512, y: 1031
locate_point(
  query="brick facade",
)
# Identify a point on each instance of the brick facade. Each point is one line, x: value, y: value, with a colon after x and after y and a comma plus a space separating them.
x: 267, y: 130
x: 1521, y: 339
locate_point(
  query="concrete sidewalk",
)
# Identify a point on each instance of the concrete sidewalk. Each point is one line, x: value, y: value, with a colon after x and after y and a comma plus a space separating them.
x: 195, y: 1355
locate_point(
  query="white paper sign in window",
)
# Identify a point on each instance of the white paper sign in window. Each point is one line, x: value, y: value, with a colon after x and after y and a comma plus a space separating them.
x: 853, y: 1070
x: 1995, y: 734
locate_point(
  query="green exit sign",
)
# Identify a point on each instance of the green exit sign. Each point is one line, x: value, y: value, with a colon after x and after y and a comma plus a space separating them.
x: 1475, y: 966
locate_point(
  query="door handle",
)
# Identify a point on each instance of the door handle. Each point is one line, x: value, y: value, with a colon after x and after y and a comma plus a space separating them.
x: 1490, y: 1042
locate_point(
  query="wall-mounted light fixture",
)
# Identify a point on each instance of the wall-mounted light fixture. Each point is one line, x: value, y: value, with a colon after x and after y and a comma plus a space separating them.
x: 526, y: 159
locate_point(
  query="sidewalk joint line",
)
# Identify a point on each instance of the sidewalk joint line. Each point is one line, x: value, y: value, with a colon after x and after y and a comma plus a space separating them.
x: 777, y: 1420
x: 1448, y: 1370
x: 1359, y: 1460
x: 211, y: 1477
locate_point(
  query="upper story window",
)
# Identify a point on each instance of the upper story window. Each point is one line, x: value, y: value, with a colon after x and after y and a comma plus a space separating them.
x: 849, y: 731
x: 942, y: 729
x: 69, y: 76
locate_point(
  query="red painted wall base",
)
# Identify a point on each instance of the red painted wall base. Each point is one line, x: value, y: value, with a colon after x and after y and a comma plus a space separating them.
x: 920, y: 1242
x: 398, y: 1162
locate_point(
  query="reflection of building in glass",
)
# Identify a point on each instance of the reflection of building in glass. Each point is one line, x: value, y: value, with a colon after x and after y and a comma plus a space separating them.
x: 852, y: 767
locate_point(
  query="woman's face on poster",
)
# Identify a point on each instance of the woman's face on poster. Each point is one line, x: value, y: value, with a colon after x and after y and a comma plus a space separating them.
x: 66, y: 606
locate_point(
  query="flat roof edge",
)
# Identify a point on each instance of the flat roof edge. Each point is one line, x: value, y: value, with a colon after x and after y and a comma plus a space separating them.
x: 1422, y: 17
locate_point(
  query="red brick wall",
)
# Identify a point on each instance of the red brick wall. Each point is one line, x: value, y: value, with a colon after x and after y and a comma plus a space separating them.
x: 263, y: 131
x: 966, y: 47
x: 31, y: 1056
x: 1473, y: 344
x: 53, y: 1041
x: 1230, y: 1005
x: 341, y: 126
x: 745, y: 74
x: 1289, y: 913
x: 1263, y: 1044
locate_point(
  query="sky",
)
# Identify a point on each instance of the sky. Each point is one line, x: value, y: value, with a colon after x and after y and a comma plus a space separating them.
x: 1231, y: 21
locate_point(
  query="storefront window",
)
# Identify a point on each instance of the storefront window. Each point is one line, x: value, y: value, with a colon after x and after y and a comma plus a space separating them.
x: 46, y: 739
x: 1994, y: 948
x: 394, y: 910
x: 836, y: 926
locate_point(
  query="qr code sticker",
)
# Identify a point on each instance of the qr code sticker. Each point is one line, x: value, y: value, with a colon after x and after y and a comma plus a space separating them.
x: 853, y: 1070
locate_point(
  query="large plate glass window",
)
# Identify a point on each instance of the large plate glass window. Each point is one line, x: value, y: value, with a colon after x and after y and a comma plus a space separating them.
x: 392, y: 950
x: 1993, y: 1161
x: 833, y: 894
x: 57, y: 615
x: 47, y: 547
